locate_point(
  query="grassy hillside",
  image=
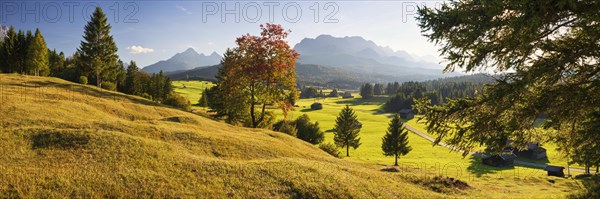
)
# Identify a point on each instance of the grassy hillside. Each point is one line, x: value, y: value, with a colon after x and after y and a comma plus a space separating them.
x: 67, y: 140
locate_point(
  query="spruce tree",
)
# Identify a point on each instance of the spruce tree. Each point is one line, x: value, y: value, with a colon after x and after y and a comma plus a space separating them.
x: 366, y: 91
x: 548, y: 55
x: 20, y: 52
x: 98, y: 49
x: 37, y: 55
x: 132, y: 80
x: 346, y: 130
x: 203, y: 102
x: 395, y: 140
x: 9, y: 46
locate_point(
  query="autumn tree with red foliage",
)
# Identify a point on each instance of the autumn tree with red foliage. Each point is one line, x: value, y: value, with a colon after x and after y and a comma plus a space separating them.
x: 258, y: 72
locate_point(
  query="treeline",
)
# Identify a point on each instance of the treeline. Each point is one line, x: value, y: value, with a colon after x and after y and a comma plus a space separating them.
x: 403, y: 95
x: 311, y: 92
x: 24, y: 52
x: 369, y: 90
x: 438, y: 93
x: 96, y: 61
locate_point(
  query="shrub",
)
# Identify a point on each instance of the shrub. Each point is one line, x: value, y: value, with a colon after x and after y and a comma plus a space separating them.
x: 83, y: 80
x: 591, y: 184
x: 331, y: 149
x: 178, y: 101
x: 309, y: 131
x: 109, y: 86
x: 146, y: 95
x: 286, y: 126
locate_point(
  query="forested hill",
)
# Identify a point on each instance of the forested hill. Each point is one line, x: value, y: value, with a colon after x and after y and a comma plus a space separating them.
x: 307, y: 74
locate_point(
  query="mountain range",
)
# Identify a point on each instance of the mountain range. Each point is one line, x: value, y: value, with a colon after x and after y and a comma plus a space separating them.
x: 323, y: 60
x: 363, y: 56
x: 186, y: 60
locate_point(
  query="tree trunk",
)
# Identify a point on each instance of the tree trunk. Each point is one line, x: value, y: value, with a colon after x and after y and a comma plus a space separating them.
x: 98, y: 84
x: 252, y: 116
x: 396, y: 163
x: 597, y: 168
x: 347, y: 150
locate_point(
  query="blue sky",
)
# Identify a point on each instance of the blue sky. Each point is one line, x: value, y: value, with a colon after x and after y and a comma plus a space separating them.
x: 150, y: 31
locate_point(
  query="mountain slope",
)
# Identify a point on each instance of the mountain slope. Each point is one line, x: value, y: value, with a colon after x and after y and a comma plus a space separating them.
x: 312, y: 74
x: 359, y: 55
x: 307, y: 74
x: 61, y: 139
x: 186, y: 60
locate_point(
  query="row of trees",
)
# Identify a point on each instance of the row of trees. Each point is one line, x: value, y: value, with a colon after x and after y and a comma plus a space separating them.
x: 311, y: 92
x: 157, y: 86
x: 24, y: 53
x: 407, y: 93
x: 369, y: 90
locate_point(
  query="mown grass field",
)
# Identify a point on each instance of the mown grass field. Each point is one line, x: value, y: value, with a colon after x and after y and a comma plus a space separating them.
x: 191, y: 89
x: 426, y: 160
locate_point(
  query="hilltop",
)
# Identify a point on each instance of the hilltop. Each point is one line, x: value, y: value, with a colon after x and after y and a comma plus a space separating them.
x: 62, y: 139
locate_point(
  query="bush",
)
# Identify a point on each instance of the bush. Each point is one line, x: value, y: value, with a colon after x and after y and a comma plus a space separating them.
x: 286, y: 126
x: 83, y: 80
x: 309, y: 131
x: 591, y: 184
x: 146, y: 95
x: 331, y: 149
x: 178, y: 101
x: 108, y: 86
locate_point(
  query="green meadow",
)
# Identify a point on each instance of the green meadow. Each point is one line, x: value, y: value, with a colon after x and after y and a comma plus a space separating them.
x: 428, y: 160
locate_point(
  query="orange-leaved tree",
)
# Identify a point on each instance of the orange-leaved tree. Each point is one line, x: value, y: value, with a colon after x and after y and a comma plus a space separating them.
x: 258, y: 72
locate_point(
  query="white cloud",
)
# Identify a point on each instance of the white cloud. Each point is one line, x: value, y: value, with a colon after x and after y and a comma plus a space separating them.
x: 184, y: 10
x: 139, y: 50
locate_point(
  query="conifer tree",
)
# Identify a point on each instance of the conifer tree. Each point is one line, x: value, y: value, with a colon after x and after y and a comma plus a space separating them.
x: 346, y: 130
x: 203, y: 102
x: 37, y: 55
x: 395, y: 140
x: 98, y: 49
x: 133, y: 84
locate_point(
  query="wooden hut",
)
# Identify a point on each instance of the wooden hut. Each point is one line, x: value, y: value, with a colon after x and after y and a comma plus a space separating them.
x: 406, y: 114
x: 555, y: 171
x: 347, y: 95
x: 316, y: 106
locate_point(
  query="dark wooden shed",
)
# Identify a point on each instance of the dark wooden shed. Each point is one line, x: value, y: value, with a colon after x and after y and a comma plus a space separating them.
x: 503, y: 159
x: 555, y: 171
x: 316, y: 106
x: 406, y: 114
x: 347, y: 95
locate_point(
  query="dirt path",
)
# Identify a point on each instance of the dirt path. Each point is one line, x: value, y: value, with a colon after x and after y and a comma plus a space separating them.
x: 517, y: 162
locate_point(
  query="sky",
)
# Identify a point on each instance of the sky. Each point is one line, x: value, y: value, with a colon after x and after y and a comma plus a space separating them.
x: 150, y: 31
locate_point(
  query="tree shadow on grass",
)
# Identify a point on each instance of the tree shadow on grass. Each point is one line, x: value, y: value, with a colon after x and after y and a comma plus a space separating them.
x: 307, y: 110
x: 60, y: 140
x: 479, y: 169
